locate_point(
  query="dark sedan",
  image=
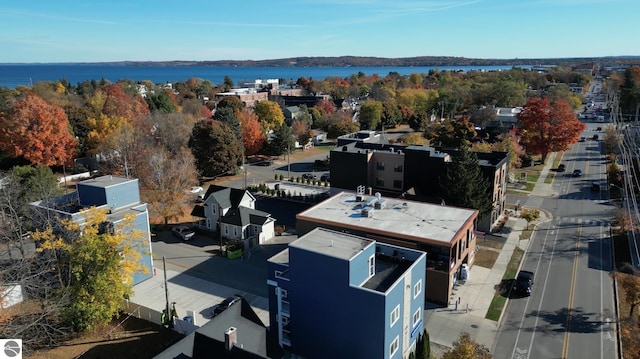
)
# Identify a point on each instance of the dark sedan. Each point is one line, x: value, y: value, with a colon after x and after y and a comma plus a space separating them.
x: 524, y: 282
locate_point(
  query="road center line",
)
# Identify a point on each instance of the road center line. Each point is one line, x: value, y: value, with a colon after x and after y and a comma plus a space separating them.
x: 565, y: 343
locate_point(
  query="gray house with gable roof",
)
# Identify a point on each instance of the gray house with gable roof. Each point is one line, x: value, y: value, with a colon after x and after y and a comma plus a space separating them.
x: 234, y: 210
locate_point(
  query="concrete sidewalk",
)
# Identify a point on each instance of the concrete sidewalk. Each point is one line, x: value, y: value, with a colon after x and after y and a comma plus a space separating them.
x: 445, y: 324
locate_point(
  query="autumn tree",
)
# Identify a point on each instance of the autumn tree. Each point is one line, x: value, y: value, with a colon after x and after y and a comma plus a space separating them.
x: 340, y: 123
x: 629, y: 284
x: 36, y: 320
x: 414, y: 138
x: 269, y: 115
x: 233, y: 102
x: 99, y: 265
x: 326, y: 107
x: 252, y: 137
x: 171, y: 130
x: 463, y: 184
x: 113, y: 100
x: 300, y: 131
x: 548, y: 127
x: 611, y: 141
x: 530, y: 215
x: 467, y: 348
x: 100, y: 129
x: 215, y: 148
x: 370, y: 114
x: 167, y: 177
x: 451, y: 133
x: 37, y: 132
x: 391, y: 114
x: 507, y: 142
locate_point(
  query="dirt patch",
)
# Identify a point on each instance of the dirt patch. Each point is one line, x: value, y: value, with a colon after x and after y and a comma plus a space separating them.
x: 125, y: 338
x: 486, y: 257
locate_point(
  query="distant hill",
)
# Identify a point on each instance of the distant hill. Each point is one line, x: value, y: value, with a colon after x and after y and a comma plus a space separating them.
x: 357, y: 61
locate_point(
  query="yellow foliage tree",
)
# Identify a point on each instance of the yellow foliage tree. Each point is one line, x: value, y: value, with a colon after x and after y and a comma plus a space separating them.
x: 466, y: 348
x: 101, y: 128
x: 269, y: 115
x: 96, y: 265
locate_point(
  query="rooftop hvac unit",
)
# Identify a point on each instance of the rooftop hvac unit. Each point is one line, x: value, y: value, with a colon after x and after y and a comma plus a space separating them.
x: 379, y: 204
x: 366, y: 212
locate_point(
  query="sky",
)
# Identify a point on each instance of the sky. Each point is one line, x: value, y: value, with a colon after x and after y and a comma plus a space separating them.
x: 45, y: 31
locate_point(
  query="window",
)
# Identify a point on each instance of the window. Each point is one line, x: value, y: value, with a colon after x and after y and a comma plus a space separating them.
x: 417, y: 289
x: 380, y: 166
x: 416, y: 316
x: 395, y: 315
x: 284, y: 293
x: 397, y: 168
x: 393, y: 348
x: 372, y: 266
x: 379, y: 182
x: 226, y: 230
x: 397, y: 184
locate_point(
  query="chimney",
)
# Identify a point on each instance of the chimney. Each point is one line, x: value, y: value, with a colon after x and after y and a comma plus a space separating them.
x: 230, y: 338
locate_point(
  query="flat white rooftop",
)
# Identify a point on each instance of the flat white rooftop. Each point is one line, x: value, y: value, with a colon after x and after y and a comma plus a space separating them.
x: 398, y: 218
x: 331, y: 243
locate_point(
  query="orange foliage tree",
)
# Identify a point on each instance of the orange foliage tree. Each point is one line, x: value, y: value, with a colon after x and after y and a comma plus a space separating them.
x: 116, y: 102
x: 548, y: 127
x: 252, y: 136
x: 38, y: 132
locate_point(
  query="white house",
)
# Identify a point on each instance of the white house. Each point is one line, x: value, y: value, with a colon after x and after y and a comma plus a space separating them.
x: 240, y: 220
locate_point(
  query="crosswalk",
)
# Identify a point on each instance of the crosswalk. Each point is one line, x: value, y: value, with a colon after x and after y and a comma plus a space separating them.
x: 604, y: 222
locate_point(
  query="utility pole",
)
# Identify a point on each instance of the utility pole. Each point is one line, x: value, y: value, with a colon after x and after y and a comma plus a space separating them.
x: 288, y: 161
x: 220, y: 227
x: 168, y: 320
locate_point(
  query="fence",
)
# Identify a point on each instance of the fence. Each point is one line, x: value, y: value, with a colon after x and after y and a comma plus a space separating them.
x: 179, y: 325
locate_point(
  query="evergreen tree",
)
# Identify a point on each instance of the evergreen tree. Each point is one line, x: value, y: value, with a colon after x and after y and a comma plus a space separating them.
x: 227, y: 115
x: 281, y: 142
x: 463, y: 184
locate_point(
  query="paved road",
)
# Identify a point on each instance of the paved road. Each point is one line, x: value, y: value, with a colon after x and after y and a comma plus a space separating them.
x: 570, y: 311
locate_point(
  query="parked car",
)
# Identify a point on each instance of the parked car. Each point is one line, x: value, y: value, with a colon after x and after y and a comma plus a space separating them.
x: 595, y: 137
x: 222, y: 306
x: 325, y: 178
x: 309, y: 176
x: 183, y: 232
x: 582, y: 139
x: 595, y: 186
x: 599, y: 129
x: 524, y: 282
x: 577, y: 173
x: 264, y: 163
x: 196, y: 190
x: 561, y: 167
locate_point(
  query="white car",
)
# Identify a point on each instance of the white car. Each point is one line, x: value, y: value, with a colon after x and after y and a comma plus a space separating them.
x: 196, y: 190
x: 183, y: 232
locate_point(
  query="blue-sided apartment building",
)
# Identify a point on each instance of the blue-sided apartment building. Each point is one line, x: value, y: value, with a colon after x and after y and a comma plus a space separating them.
x: 337, y: 295
x: 119, y: 196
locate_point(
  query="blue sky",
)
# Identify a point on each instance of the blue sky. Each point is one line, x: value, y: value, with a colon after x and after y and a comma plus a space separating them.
x: 161, y: 30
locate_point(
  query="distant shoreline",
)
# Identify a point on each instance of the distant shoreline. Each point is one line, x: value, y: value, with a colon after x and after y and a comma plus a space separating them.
x: 357, y: 61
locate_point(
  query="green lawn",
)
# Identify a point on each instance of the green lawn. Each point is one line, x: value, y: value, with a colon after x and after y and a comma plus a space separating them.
x: 500, y: 296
